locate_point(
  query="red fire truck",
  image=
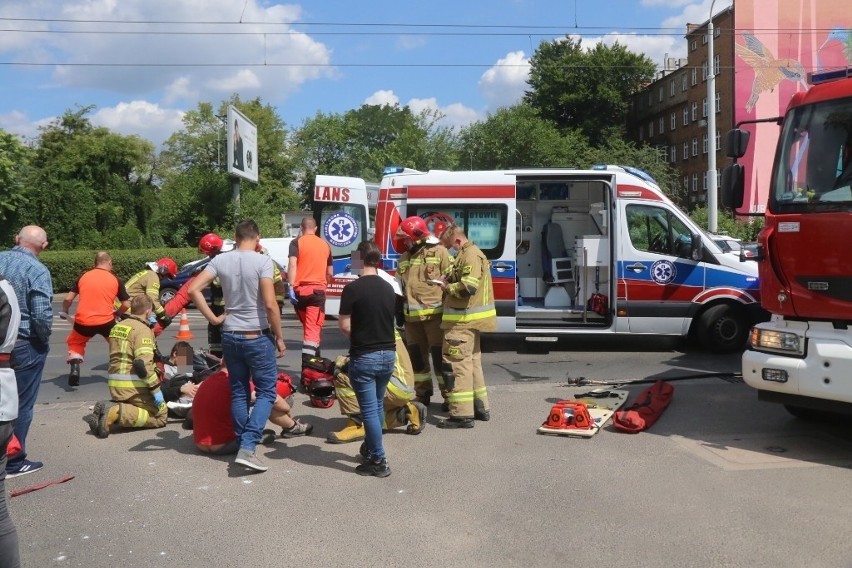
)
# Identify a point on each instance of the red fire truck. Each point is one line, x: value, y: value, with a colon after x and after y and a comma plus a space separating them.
x: 802, y: 357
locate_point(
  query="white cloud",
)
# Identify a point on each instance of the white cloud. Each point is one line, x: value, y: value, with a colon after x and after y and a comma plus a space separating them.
x: 654, y: 47
x: 148, y: 120
x: 16, y: 122
x: 241, y: 81
x: 505, y: 83
x: 381, y: 98
x: 180, y: 89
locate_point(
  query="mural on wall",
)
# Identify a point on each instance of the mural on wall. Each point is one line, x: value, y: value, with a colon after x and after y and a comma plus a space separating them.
x: 777, y: 43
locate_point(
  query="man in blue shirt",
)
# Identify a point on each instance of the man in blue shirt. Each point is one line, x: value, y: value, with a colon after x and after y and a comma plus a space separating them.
x: 34, y: 291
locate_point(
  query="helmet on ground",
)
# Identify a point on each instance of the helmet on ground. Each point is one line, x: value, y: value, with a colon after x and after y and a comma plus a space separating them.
x: 321, y: 393
x: 166, y: 266
x: 210, y: 244
x: 413, y: 227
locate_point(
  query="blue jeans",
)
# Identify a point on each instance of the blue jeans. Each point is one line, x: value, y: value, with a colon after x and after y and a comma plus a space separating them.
x: 369, y: 374
x: 250, y: 359
x: 28, y: 359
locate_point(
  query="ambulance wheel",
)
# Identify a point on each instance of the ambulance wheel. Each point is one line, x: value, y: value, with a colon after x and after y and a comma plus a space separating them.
x: 723, y: 328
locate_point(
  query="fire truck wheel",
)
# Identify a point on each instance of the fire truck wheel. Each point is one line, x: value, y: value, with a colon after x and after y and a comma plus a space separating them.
x: 723, y: 328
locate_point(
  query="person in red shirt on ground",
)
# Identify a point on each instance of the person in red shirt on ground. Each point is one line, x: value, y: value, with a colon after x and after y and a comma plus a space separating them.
x: 97, y: 290
x: 213, y: 428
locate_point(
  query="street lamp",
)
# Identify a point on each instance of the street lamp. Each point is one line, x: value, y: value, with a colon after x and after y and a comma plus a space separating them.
x: 712, y: 182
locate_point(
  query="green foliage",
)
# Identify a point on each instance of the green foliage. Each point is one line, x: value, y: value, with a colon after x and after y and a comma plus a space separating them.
x: 744, y: 228
x: 14, y: 171
x: 620, y: 152
x: 66, y: 266
x: 583, y: 89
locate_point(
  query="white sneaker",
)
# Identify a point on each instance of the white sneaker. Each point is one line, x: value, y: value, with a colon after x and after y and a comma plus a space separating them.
x: 249, y: 460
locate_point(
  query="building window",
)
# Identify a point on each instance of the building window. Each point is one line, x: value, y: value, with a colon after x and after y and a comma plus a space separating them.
x: 704, y: 107
x: 694, y: 111
x: 705, y: 181
x: 662, y: 125
x: 694, y: 146
x: 661, y: 95
x: 664, y: 153
x: 694, y: 76
x: 673, y: 121
x: 718, y: 102
x: 704, y: 71
x: 704, y: 39
x: 693, y: 46
x: 650, y: 129
x: 673, y: 152
x: 685, y: 116
x: 704, y: 143
x: 718, y: 140
x: 716, y: 62
x: 686, y: 150
x: 686, y: 183
x: 694, y: 182
x: 683, y: 82
x: 672, y: 88
x: 717, y: 32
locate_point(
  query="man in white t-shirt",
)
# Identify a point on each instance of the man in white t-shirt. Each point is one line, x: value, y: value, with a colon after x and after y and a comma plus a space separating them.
x: 251, y: 334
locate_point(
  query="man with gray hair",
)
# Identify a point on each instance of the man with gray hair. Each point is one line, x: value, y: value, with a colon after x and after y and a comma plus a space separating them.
x: 34, y: 291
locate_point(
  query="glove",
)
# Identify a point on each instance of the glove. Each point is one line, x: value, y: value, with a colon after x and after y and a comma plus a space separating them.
x: 163, y: 319
x: 152, y: 320
x: 159, y: 400
x: 293, y: 299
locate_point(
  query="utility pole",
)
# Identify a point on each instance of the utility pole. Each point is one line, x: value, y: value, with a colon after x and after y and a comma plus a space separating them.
x: 712, y: 182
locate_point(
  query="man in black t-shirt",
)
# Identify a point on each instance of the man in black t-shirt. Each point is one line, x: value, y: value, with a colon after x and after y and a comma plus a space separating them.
x: 367, y: 308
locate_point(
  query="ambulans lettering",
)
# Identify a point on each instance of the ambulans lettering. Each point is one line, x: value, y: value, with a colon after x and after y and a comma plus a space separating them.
x: 324, y: 193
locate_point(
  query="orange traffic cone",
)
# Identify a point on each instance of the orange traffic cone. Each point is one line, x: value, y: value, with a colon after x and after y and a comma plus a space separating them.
x: 183, y: 332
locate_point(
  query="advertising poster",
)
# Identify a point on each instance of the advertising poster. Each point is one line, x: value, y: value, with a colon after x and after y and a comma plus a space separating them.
x: 242, y: 146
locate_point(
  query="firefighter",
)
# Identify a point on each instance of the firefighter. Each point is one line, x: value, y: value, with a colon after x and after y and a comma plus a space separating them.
x: 424, y: 260
x: 132, y: 378
x: 147, y: 283
x: 277, y: 280
x: 468, y: 311
x: 401, y: 409
x: 309, y: 270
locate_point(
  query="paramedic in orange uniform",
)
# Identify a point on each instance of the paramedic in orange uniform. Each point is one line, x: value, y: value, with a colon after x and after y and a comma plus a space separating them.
x: 308, y: 273
x: 97, y: 290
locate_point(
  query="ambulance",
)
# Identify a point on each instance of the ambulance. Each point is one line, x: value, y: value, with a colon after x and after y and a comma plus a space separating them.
x: 593, y: 252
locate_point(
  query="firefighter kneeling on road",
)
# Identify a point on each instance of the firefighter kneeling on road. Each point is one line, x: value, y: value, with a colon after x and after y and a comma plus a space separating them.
x: 400, y: 407
x: 133, y: 381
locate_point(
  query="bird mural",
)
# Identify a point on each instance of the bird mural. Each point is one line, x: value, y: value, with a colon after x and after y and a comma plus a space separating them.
x: 836, y: 51
x: 768, y: 71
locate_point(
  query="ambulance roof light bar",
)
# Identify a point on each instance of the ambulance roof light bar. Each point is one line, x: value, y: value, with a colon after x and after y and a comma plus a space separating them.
x: 826, y: 76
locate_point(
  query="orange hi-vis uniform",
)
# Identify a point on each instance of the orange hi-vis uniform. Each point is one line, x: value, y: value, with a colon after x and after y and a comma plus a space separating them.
x: 97, y: 291
x: 313, y: 258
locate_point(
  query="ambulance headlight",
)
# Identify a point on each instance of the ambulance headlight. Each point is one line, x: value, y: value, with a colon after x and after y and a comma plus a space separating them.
x: 777, y: 341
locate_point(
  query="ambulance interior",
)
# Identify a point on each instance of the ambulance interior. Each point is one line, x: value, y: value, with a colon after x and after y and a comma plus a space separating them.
x: 562, y: 251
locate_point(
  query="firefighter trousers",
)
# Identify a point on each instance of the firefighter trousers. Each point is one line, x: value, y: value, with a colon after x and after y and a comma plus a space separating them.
x: 137, y: 408
x: 423, y: 340
x: 462, y: 369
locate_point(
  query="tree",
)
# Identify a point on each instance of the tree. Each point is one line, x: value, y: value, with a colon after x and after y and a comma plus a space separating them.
x: 617, y: 151
x: 586, y: 90
x: 14, y: 173
x: 744, y: 229
x: 517, y: 137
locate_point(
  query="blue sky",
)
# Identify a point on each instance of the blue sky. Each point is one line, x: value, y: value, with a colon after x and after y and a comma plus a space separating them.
x: 143, y: 63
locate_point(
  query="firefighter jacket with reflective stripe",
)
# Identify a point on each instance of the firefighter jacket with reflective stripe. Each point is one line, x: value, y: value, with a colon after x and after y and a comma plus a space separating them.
x: 146, y: 282
x: 423, y: 262
x: 278, y: 284
x: 129, y: 340
x: 470, y: 295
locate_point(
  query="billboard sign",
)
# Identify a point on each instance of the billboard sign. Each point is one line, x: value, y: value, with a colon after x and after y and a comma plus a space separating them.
x: 242, y: 146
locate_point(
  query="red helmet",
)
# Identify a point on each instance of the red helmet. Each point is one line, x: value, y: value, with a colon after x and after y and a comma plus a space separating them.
x: 438, y: 228
x: 413, y: 227
x: 166, y: 266
x: 210, y: 244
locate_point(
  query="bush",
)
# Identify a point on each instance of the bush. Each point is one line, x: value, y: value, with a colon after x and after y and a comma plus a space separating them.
x: 67, y: 265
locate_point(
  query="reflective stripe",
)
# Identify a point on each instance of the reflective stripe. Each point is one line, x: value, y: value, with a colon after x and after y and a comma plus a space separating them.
x: 343, y: 392
x: 424, y: 311
x: 473, y: 314
x: 396, y: 384
x: 481, y: 392
x: 120, y: 382
x: 460, y: 396
x: 141, y: 417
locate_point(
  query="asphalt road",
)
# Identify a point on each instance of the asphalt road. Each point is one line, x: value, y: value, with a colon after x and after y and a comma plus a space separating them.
x: 720, y: 480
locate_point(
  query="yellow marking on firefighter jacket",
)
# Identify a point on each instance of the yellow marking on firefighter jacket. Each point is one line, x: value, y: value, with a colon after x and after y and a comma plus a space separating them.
x: 470, y: 296
x: 148, y: 283
x: 423, y: 262
x: 130, y: 340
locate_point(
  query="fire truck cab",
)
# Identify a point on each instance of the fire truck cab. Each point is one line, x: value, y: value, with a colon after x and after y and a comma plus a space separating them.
x: 600, y: 251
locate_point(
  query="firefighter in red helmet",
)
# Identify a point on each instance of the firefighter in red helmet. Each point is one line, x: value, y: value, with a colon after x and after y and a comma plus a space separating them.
x: 424, y: 260
x: 147, y: 282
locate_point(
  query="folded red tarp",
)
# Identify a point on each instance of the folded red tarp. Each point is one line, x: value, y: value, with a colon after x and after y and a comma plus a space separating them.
x: 642, y: 414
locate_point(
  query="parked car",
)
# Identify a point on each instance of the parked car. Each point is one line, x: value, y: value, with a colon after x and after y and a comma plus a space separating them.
x: 727, y: 244
x: 170, y: 286
x: 750, y: 250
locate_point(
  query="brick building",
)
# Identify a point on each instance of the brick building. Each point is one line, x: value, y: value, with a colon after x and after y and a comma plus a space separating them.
x: 671, y: 112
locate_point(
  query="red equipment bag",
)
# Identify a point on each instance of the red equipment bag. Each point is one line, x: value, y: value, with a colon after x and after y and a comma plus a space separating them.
x: 284, y: 386
x: 642, y: 414
x: 569, y: 415
x: 598, y: 303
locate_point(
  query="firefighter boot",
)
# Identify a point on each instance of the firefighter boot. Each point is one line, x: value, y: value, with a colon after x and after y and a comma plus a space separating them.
x: 453, y: 423
x: 352, y: 432
x: 416, y: 417
x: 479, y: 411
x: 74, y: 375
x: 104, y: 415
